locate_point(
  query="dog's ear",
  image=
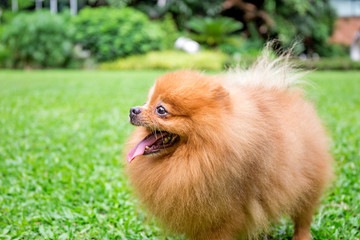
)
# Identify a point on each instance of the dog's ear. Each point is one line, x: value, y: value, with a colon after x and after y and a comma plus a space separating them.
x: 222, y: 96
x: 220, y: 93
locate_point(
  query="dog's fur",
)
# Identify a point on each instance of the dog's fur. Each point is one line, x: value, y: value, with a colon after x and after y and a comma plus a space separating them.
x: 251, y: 150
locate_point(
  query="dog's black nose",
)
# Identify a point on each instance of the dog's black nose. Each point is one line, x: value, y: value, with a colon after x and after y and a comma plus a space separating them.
x: 134, y: 111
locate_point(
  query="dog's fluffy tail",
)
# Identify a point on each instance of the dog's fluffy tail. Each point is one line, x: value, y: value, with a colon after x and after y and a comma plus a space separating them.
x: 267, y: 72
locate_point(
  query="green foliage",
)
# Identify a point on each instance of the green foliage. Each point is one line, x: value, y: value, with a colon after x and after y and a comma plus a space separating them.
x: 110, y: 33
x: 181, y: 10
x: 7, y: 13
x: 334, y: 63
x: 308, y: 23
x: 7, y: 16
x: 254, y: 41
x: 38, y: 39
x: 213, y: 31
x: 22, y: 4
x: 237, y: 44
x: 167, y: 24
x: 242, y: 60
x: 185, y: 9
x: 118, y: 3
x: 205, y: 60
x: 4, y: 56
x: 61, y: 138
x: 245, y: 59
x: 333, y: 50
x: 230, y: 48
x: 3, y: 52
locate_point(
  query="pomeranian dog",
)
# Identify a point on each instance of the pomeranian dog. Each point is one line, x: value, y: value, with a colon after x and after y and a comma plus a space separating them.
x: 221, y: 157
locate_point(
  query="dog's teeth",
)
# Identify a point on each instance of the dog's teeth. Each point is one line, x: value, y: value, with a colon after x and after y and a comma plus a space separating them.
x: 147, y: 148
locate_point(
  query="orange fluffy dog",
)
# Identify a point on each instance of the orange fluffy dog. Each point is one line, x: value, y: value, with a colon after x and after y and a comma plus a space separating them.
x: 222, y: 157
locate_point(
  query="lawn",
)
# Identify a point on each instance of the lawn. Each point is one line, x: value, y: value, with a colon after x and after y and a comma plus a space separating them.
x: 61, y: 164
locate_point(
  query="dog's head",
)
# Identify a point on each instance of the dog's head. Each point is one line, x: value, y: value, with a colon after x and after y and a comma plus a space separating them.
x: 179, y: 105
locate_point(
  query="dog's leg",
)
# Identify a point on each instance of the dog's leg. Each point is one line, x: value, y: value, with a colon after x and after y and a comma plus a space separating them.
x: 217, y: 234
x: 220, y: 236
x: 302, y: 222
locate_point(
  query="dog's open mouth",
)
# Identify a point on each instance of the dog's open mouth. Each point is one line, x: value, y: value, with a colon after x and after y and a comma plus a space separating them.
x: 153, y: 143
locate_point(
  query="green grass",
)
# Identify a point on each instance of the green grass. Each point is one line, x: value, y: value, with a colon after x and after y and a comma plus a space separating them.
x: 61, y: 140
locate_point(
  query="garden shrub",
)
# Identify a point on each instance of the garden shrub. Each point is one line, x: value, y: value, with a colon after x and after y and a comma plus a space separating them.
x: 39, y: 39
x: 168, y: 25
x: 182, y: 10
x: 110, y: 33
x: 213, y: 31
x: 333, y: 50
x: 241, y: 45
x: 4, y: 55
x: 3, y: 51
x: 245, y: 60
x: 333, y: 63
x: 118, y: 3
x: 308, y: 23
x: 216, y: 60
x: 170, y: 60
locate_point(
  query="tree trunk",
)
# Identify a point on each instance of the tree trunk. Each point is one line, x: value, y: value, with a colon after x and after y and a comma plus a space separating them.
x: 73, y: 7
x: 14, y: 5
x: 38, y: 4
x: 53, y: 6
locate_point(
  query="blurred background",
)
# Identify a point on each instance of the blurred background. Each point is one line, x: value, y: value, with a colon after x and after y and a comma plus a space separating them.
x: 172, y: 34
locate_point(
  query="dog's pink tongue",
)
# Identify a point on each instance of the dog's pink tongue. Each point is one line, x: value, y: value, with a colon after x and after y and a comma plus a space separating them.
x: 139, y: 149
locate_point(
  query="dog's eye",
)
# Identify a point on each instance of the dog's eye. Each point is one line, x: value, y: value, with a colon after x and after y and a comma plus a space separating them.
x: 161, y: 111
